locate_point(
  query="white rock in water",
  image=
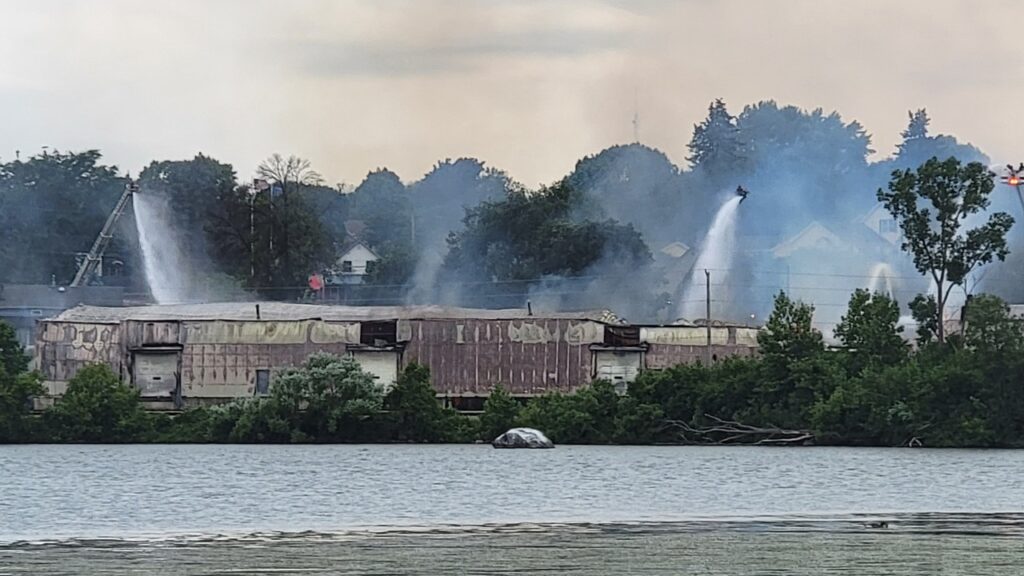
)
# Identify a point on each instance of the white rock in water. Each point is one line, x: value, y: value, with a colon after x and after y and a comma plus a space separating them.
x: 522, y: 438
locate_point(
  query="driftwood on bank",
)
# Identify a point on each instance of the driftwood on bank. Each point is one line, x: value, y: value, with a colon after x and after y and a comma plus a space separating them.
x: 731, y: 432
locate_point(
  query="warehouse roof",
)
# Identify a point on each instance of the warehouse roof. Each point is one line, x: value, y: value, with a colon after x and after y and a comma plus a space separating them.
x: 289, y: 311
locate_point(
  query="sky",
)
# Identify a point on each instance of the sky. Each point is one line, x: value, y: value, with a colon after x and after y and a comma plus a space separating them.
x: 528, y: 86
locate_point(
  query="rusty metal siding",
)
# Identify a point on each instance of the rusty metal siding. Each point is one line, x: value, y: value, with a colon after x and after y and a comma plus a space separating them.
x: 469, y: 357
x: 64, y: 348
x: 661, y: 356
x: 220, y: 359
x: 141, y: 334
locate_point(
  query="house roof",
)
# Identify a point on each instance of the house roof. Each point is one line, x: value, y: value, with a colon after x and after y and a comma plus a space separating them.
x: 854, y: 236
x: 675, y: 250
x: 283, y: 311
x: 351, y: 245
x: 809, y: 237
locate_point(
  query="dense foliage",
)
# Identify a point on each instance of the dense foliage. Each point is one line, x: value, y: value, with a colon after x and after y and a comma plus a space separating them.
x: 872, y: 390
x: 932, y: 205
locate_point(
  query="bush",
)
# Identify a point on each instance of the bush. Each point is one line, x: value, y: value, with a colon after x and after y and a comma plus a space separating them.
x: 97, y: 407
x: 501, y: 412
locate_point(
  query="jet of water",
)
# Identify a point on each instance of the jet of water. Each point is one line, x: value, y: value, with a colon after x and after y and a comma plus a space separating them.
x: 881, y: 279
x: 165, y: 265
x: 716, y: 255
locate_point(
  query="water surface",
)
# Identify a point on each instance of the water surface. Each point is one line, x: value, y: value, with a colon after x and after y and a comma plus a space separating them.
x: 475, y: 510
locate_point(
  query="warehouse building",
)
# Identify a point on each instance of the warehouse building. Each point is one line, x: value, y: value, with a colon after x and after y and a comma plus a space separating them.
x: 187, y: 355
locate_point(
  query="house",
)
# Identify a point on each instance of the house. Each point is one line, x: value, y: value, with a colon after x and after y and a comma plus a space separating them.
x: 355, y: 262
x: 882, y: 223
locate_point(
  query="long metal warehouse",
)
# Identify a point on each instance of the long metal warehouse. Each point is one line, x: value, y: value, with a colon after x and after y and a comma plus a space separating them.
x: 182, y: 355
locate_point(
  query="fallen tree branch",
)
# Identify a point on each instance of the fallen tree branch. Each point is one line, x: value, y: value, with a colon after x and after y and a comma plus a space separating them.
x: 723, y: 431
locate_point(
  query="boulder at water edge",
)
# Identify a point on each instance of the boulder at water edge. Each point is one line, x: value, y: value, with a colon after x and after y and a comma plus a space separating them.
x: 522, y: 438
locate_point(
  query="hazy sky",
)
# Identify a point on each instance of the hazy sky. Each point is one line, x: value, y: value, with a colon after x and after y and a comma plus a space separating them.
x: 529, y: 86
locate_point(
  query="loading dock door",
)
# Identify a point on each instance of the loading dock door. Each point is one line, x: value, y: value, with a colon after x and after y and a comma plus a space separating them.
x: 381, y: 363
x: 156, y: 374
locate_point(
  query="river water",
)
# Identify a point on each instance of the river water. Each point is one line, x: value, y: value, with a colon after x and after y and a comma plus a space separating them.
x: 475, y: 510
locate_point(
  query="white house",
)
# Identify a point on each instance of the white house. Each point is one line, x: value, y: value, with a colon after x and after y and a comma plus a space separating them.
x: 355, y: 262
x: 881, y: 222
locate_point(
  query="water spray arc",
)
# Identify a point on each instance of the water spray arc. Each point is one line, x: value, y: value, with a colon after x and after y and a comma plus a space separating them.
x: 165, y: 266
x: 715, y: 254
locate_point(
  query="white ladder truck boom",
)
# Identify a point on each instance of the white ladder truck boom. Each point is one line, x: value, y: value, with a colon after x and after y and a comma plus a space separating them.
x: 95, y: 255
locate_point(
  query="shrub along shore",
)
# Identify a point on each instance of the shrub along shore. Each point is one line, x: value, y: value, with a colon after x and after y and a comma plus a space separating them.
x: 873, y: 390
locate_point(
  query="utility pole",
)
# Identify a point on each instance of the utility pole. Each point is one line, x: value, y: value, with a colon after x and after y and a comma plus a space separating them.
x: 707, y: 316
x: 636, y: 117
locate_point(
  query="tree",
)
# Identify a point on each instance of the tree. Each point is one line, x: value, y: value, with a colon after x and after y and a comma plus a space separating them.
x: 382, y: 202
x: 417, y: 414
x: 990, y: 328
x: 500, y: 413
x: 636, y: 185
x: 12, y: 356
x: 97, y: 407
x: 515, y: 242
x: 918, y: 145
x: 327, y: 397
x: 931, y: 205
x: 870, y: 330
x: 717, y: 146
x: 917, y: 128
x: 789, y: 332
x: 793, y: 373
x: 16, y: 388
x: 286, y: 176
x: 924, y: 311
x: 193, y: 189
x: 288, y: 172
x: 52, y: 207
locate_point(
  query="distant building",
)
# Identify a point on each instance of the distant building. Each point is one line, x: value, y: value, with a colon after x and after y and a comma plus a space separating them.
x: 355, y: 262
x: 22, y: 305
x: 184, y: 355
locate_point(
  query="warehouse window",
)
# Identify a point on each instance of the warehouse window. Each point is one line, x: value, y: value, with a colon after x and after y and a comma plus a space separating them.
x: 379, y: 334
x: 262, y: 382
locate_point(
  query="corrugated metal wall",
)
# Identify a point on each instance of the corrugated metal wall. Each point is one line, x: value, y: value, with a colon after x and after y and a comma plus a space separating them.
x: 220, y: 358
x: 467, y: 357
x: 470, y: 357
x: 64, y: 348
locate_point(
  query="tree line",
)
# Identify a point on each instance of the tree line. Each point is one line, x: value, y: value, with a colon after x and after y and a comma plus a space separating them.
x: 463, y: 224
x: 875, y: 389
x: 954, y: 388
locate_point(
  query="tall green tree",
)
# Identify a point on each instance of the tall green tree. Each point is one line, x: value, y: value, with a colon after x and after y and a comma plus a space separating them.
x: 295, y: 230
x: 52, y: 207
x: 870, y: 330
x: 931, y: 205
x: 193, y: 189
x: 717, y: 146
x: 413, y: 404
x: 919, y: 145
x: 17, y: 388
x: 515, y: 242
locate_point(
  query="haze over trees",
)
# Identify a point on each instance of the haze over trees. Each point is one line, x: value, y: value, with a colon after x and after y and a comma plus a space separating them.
x: 588, y: 240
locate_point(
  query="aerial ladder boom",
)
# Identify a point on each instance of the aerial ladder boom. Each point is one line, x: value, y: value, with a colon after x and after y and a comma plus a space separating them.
x: 95, y: 255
